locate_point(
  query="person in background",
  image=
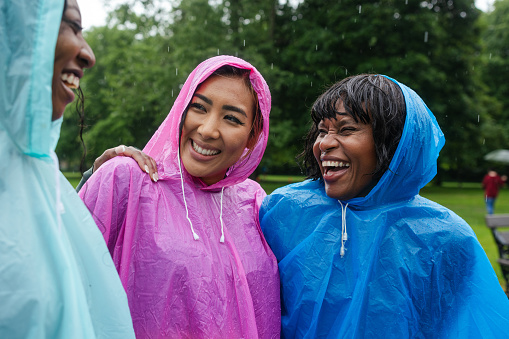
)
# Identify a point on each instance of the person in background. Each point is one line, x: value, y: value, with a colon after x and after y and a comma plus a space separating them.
x: 361, y: 254
x: 186, y: 241
x: 57, y: 279
x: 491, y: 183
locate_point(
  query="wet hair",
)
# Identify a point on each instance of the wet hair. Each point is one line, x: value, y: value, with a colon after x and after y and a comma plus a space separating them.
x: 369, y: 99
x: 80, y: 110
x: 233, y: 72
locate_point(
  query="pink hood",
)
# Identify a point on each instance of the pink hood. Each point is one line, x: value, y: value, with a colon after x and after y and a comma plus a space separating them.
x: 179, y: 287
x: 164, y: 144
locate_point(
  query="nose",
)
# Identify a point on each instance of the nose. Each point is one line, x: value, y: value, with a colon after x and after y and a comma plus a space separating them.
x: 328, y: 143
x: 86, y: 56
x: 209, y: 128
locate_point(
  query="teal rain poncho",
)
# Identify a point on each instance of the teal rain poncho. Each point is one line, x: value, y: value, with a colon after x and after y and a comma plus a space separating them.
x: 411, y: 269
x: 57, y: 279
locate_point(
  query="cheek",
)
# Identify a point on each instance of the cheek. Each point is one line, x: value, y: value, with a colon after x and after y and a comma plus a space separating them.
x: 316, y: 150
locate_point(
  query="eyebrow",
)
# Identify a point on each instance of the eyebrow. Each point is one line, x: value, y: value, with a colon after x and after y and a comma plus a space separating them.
x: 225, y: 107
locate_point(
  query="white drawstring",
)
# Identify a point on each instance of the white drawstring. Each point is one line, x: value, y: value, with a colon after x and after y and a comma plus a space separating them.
x: 344, y: 235
x: 221, y: 217
x: 196, y: 237
x: 58, y: 202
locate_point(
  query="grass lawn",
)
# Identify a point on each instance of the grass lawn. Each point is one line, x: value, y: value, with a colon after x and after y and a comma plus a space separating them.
x: 467, y: 201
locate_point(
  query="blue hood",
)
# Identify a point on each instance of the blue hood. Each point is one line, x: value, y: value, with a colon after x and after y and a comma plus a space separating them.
x: 414, y: 163
x: 57, y: 279
x: 410, y: 267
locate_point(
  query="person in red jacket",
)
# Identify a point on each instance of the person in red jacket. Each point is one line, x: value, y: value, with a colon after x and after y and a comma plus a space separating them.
x: 491, y: 184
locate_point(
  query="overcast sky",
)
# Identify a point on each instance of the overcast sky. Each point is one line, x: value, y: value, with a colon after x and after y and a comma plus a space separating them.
x: 93, y: 12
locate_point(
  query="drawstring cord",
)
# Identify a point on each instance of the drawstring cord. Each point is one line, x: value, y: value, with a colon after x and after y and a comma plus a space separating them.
x: 344, y: 235
x: 58, y: 202
x: 221, y: 217
x: 195, y: 236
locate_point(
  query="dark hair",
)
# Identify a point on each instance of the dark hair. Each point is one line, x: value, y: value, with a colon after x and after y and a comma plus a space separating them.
x: 80, y: 110
x: 229, y: 71
x: 368, y: 98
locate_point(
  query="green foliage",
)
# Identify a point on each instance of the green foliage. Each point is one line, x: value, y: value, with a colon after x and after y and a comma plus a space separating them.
x: 144, y: 56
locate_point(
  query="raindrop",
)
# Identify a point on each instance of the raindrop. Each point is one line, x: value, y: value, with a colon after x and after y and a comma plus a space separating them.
x: 477, y: 118
x: 244, y: 42
x: 316, y: 47
x: 272, y: 65
x: 218, y: 51
x: 172, y: 93
x: 176, y: 71
x: 483, y: 141
x: 406, y: 2
x: 489, y: 58
x: 168, y: 49
x: 425, y: 36
x: 311, y: 83
x: 143, y: 108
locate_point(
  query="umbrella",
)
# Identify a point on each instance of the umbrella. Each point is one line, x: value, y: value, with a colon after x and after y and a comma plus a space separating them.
x: 499, y: 155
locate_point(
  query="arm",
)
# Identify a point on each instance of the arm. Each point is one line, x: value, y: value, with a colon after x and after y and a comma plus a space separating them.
x: 146, y: 163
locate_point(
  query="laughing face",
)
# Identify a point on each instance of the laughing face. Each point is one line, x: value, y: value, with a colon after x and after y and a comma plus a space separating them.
x: 72, y: 55
x: 216, y: 128
x: 345, y: 152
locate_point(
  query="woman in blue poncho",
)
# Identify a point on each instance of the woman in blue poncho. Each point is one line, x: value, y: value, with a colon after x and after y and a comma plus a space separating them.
x: 57, y: 279
x: 361, y: 254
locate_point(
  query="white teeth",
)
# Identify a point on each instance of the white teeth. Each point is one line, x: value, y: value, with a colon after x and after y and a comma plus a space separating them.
x: 70, y: 80
x: 335, y: 164
x: 203, y: 151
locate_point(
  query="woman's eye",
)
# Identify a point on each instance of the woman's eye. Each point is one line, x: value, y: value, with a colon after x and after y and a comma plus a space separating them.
x: 234, y: 119
x: 76, y: 27
x: 347, y: 129
x: 198, y: 107
x: 322, y: 132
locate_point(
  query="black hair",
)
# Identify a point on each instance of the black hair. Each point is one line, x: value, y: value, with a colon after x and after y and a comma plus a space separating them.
x: 369, y: 99
x: 80, y: 110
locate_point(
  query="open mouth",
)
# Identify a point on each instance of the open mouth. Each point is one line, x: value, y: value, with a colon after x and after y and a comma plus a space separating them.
x: 70, y: 80
x: 204, y: 151
x: 332, y: 166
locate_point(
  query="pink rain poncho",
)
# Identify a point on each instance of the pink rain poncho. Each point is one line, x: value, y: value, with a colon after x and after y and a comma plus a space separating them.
x: 177, y: 286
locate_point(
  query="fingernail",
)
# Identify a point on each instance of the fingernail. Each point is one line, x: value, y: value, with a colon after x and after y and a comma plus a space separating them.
x: 157, y: 176
x: 154, y: 177
x: 146, y: 169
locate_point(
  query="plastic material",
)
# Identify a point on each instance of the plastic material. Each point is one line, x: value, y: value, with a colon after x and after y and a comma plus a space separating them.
x: 177, y: 286
x: 411, y: 269
x: 57, y: 279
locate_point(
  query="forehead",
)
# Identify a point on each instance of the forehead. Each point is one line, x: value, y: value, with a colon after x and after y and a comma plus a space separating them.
x: 73, y: 7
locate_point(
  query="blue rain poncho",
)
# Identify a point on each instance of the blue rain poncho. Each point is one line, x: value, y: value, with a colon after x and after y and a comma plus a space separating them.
x: 411, y: 268
x: 57, y: 279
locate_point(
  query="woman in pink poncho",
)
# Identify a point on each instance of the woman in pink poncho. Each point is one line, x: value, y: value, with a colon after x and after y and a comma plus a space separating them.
x: 188, y: 247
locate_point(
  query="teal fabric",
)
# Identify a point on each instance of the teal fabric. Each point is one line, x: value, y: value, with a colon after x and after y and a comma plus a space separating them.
x: 57, y: 279
x: 411, y: 269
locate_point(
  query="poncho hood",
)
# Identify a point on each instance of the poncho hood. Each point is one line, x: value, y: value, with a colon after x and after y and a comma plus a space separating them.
x: 164, y: 145
x: 408, y: 267
x: 414, y: 163
x: 57, y: 279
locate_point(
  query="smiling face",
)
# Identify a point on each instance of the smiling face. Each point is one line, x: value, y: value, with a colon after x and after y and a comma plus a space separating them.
x: 72, y: 55
x: 216, y: 128
x: 345, y: 152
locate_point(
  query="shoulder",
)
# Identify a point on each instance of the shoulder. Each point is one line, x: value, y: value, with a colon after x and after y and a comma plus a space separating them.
x: 434, y: 222
x: 303, y: 194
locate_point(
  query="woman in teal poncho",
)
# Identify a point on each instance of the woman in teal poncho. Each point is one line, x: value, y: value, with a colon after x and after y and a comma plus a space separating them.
x: 57, y: 279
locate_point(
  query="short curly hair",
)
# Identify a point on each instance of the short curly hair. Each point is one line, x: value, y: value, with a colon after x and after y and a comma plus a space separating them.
x: 369, y: 98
